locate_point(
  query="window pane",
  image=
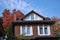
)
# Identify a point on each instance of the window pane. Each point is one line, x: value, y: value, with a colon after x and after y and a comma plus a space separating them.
x: 27, y: 17
x: 37, y: 17
x: 46, y: 31
x: 23, y: 30
x: 32, y: 16
x: 41, y: 30
x: 28, y: 30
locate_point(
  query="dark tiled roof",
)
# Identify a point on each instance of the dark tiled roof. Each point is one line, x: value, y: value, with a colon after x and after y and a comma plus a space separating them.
x: 47, y: 18
x: 35, y: 22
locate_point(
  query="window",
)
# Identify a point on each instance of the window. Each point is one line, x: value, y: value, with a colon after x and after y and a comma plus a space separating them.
x: 46, y: 30
x: 23, y: 30
x: 43, y: 30
x: 37, y: 17
x: 26, y: 30
x: 32, y: 16
x: 27, y: 18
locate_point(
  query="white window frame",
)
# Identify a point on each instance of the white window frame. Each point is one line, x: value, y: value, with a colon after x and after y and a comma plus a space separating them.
x: 31, y: 31
x: 43, y: 30
x: 33, y: 16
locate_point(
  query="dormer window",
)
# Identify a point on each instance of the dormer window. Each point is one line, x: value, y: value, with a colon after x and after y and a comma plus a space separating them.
x: 33, y: 16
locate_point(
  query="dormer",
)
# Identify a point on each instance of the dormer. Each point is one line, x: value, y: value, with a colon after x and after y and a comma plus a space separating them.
x: 33, y: 16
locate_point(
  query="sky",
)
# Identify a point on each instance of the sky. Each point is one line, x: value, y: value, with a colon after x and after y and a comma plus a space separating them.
x: 47, y: 8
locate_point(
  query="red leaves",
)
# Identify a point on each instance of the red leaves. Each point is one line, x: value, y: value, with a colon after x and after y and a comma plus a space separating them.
x: 9, y: 18
x: 19, y: 14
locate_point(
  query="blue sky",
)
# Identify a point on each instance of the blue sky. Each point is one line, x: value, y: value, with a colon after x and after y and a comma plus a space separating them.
x: 47, y: 8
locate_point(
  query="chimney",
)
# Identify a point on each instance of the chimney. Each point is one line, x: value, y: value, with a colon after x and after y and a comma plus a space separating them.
x: 14, y: 12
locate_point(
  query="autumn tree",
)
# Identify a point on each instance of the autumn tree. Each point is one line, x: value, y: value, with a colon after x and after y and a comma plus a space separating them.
x: 9, y: 17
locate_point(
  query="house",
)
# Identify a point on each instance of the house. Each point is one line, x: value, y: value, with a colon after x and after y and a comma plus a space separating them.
x: 34, y: 26
x: 2, y: 32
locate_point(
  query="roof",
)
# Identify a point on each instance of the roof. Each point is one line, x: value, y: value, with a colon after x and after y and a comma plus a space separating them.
x: 44, y: 21
x: 35, y: 22
x: 34, y: 13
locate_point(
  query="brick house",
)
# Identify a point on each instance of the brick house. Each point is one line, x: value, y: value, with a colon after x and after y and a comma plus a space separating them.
x: 34, y: 26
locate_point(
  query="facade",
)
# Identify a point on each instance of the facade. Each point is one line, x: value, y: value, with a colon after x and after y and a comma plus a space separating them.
x: 34, y: 26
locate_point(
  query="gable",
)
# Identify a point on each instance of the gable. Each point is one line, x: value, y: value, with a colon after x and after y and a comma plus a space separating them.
x: 33, y: 16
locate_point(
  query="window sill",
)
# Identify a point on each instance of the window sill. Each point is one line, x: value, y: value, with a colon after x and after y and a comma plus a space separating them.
x: 44, y: 34
x: 27, y: 35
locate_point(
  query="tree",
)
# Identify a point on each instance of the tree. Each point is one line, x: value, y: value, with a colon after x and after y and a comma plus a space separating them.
x: 8, y: 17
x: 9, y: 32
x: 56, y: 25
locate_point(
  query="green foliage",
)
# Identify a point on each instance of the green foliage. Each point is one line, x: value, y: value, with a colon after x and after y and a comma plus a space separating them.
x: 17, y: 38
x: 9, y: 32
x: 57, y: 31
